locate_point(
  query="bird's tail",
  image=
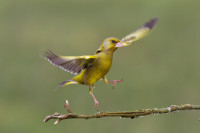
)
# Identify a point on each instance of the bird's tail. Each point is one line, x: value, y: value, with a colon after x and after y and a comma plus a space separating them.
x: 66, y: 83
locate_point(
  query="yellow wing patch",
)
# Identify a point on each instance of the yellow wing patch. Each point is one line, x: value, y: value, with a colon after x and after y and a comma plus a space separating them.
x: 140, y: 33
x: 72, y: 64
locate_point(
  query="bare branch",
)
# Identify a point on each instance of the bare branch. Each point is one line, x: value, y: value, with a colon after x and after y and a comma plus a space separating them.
x: 123, y: 114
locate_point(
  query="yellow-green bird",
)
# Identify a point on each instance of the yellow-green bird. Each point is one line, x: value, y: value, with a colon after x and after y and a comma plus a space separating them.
x: 90, y: 68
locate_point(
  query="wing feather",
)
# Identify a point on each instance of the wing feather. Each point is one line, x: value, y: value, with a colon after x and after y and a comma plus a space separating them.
x: 139, y: 33
x: 72, y: 64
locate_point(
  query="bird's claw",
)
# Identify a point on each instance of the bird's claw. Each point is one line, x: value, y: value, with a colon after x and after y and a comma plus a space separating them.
x: 96, y: 105
x: 115, y: 82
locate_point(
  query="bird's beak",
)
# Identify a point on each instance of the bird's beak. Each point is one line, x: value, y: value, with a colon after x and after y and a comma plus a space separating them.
x: 119, y: 45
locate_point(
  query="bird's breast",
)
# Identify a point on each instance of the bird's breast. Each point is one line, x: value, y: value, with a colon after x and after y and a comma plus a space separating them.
x: 98, y: 69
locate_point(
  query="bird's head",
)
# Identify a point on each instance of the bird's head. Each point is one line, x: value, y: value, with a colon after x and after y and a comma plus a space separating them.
x: 108, y: 45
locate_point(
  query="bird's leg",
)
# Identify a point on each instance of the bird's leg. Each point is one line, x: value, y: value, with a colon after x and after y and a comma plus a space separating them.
x: 114, y: 81
x: 96, y: 103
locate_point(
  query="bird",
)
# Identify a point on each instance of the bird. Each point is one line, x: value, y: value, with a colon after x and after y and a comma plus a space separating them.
x: 91, y: 68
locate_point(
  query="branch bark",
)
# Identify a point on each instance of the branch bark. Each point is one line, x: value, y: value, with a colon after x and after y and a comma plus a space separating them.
x: 123, y: 114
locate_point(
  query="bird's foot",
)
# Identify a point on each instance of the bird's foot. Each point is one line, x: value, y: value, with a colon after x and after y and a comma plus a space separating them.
x: 96, y: 103
x: 115, y: 82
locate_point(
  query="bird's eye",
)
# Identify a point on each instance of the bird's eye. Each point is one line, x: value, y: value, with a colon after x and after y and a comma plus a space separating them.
x: 114, y: 42
x: 98, y: 51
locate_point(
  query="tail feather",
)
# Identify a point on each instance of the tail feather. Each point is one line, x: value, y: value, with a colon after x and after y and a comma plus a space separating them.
x: 66, y: 83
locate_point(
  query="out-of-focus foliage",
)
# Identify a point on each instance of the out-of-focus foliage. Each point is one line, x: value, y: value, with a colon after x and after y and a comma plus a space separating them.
x: 159, y: 70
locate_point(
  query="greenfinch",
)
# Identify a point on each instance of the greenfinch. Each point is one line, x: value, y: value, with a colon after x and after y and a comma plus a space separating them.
x: 90, y: 68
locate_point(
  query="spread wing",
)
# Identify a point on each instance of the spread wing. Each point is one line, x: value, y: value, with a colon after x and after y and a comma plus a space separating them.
x: 139, y: 33
x: 73, y: 64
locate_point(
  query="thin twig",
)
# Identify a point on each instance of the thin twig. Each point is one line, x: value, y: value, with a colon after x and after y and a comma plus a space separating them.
x: 124, y: 114
x: 67, y: 107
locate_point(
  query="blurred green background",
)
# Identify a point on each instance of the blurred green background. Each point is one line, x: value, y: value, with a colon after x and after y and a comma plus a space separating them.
x: 158, y: 71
